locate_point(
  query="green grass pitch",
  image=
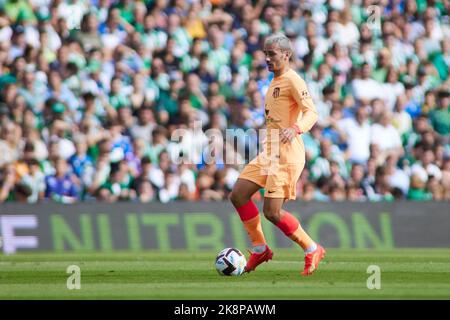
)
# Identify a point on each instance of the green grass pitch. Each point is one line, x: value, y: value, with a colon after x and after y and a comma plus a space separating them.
x: 405, y: 274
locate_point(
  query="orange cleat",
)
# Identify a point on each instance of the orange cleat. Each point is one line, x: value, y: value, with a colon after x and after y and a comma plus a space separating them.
x: 257, y: 258
x: 312, y: 260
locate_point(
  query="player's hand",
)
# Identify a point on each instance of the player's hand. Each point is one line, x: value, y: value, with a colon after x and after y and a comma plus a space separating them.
x: 287, y: 135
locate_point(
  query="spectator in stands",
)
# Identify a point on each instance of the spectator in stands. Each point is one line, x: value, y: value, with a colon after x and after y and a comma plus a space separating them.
x: 81, y: 163
x: 35, y: 180
x: 366, y: 88
x: 357, y: 135
x: 440, y: 116
x: 9, y: 143
x: 385, y: 135
x: 145, y: 191
x: 417, y: 190
x: 63, y: 186
x: 8, y: 177
x: 119, y: 186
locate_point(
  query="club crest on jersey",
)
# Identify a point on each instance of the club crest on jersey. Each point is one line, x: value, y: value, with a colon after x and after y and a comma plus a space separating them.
x: 305, y: 94
x: 276, y: 92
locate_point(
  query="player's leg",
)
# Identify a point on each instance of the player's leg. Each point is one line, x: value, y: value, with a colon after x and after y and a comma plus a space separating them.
x: 242, y: 192
x: 279, y: 188
x: 292, y: 228
x: 249, y: 214
x: 240, y: 197
x: 287, y: 223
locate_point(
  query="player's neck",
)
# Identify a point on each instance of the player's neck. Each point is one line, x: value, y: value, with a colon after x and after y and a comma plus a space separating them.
x: 282, y: 71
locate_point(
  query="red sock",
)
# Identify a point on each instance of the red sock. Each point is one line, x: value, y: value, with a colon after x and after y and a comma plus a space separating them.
x: 249, y: 215
x: 292, y: 229
x: 247, y: 211
x: 288, y: 224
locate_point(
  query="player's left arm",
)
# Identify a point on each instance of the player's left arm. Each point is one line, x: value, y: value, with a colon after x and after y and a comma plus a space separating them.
x: 309, y: 116
x: 301, y: 95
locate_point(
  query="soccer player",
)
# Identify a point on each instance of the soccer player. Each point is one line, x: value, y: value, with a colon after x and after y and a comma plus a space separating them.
x: 290, y: 112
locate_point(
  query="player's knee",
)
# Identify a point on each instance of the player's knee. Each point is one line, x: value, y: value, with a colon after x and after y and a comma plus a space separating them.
x: 236, y: 199
x: 271, y: 215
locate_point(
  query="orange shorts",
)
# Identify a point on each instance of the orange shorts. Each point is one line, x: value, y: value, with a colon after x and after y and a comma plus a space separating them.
x: 279, y: 180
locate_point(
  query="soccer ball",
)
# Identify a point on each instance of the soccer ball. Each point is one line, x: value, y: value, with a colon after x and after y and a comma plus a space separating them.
x: 230, y: 262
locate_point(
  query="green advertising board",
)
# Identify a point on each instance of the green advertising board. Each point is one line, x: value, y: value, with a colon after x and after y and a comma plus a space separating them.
x: 213, y: 226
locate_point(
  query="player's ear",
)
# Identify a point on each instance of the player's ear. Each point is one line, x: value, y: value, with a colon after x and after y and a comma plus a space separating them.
x: 291, y: 56
x: 288, y: 54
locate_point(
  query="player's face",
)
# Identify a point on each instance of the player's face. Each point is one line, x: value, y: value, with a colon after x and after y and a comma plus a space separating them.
x: 276, y: 59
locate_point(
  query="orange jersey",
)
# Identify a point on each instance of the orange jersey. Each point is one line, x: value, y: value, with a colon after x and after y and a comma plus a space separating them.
x: 288, y: 102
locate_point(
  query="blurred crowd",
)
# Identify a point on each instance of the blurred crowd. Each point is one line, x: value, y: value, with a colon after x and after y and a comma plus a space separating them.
x: 92, y: 92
